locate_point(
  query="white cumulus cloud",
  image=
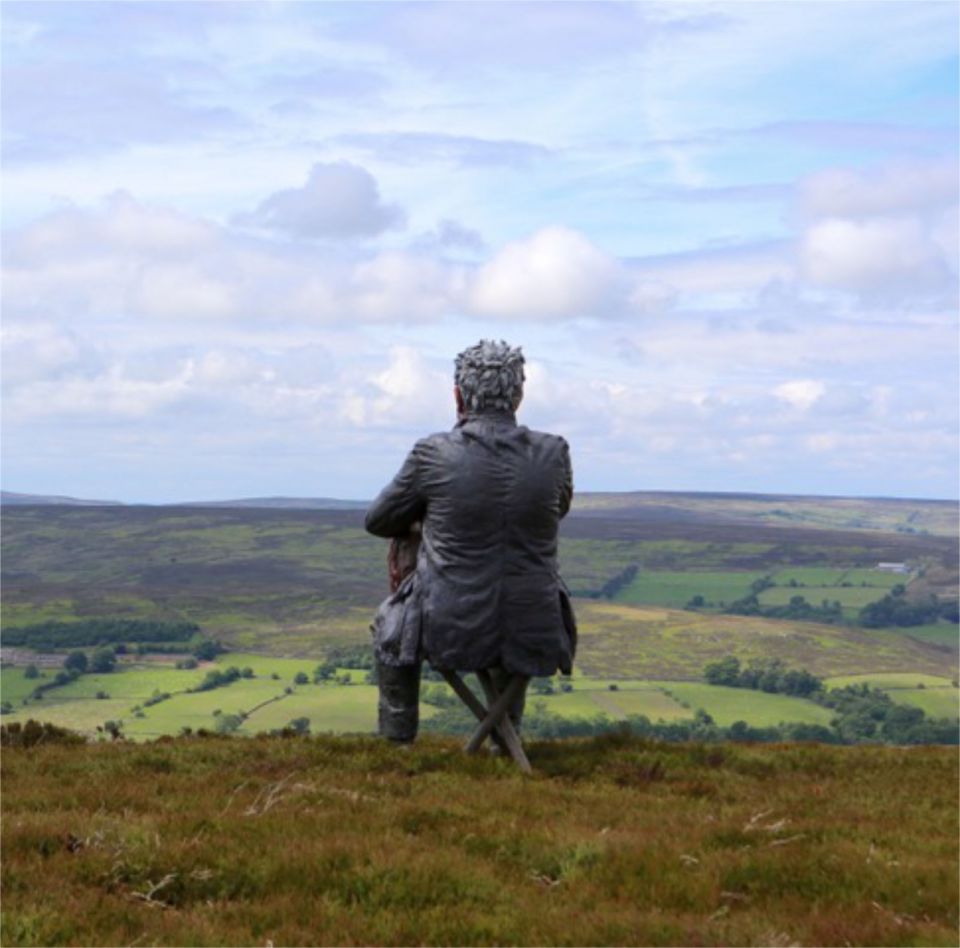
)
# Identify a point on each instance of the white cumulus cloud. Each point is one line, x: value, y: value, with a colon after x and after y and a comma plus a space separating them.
x: 557, y: 273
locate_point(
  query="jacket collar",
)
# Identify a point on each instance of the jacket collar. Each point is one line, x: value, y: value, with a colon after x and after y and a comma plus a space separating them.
x: 490, y: 416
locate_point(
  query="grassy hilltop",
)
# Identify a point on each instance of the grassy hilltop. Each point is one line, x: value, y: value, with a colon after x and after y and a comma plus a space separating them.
x: 346, y: 841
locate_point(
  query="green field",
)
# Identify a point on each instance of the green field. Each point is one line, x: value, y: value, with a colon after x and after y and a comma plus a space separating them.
x: 937, y: 633
x: 935, y: 695
x: 853, y: 588
x: 676, y: 588
x: 352, y: 708
x: 727, y: 705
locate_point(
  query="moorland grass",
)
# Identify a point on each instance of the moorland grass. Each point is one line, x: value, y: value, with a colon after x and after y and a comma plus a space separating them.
x: 345, y: 841
x: 622, y: 641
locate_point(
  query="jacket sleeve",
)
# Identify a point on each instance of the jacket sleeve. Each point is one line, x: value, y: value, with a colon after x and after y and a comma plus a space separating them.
x: 400, y: 503
x: 566, y: 486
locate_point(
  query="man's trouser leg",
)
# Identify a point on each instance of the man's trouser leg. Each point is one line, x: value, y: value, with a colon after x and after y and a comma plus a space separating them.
x: 399, y: 705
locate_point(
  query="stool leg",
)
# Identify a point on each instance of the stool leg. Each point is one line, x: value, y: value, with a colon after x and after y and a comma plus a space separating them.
x: 507, y: 732
x: 470, y: 700
x: 495, y: 712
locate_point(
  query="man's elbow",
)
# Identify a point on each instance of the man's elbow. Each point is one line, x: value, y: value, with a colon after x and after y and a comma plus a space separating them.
x: 374, y: 522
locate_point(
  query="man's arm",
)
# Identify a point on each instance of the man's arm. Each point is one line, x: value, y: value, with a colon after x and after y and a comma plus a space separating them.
x: 400, y: 503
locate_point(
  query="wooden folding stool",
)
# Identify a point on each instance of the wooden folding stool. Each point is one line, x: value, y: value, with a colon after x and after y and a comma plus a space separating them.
x: 494, y: 717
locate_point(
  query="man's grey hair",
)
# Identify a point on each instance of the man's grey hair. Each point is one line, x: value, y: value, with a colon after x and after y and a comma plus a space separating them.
x: 490, y: 376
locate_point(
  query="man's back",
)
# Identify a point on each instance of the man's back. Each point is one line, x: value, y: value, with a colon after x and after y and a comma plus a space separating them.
x: 490, y: 495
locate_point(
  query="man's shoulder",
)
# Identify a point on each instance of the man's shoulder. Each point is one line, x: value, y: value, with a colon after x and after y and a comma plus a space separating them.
x: 546, y: 438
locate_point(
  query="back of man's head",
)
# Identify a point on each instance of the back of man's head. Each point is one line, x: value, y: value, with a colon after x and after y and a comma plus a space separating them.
x: 490, y: 376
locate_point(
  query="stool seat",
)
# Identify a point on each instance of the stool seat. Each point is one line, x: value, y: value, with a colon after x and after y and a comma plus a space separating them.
x: 493, y: 717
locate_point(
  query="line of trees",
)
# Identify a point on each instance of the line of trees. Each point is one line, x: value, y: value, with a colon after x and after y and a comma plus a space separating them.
x: 896, y: 610
x: 613, y: 585
x: 219, y: 678
x: 798, y: 609
x: 854, y: 725
x: 862, y: 714
x: 91, y: 632
x: 769, y: 675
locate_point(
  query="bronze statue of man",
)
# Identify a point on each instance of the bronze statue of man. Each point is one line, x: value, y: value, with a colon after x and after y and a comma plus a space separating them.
x: 487, y: 499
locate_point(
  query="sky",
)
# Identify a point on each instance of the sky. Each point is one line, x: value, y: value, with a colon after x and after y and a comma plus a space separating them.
x: 243, y: 242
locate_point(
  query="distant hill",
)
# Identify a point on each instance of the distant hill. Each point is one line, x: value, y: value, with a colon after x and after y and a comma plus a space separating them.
x: 284, y: 503
x: 11, y: 498
x: 885, y: 514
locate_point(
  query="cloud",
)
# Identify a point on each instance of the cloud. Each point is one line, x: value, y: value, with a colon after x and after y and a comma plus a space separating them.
x: 328, y: 82
x: 694, y: 275
x: 462, y: 150
x: 37, y: 350
x: 528, y: 36
x: 554, y: 274
x: 902, y: 188
x: 338, y: 200
x: 60, y: 109
x: 882, y: 230
x: 877, y: 254
x: 450, y: 235
x: 800, y: 393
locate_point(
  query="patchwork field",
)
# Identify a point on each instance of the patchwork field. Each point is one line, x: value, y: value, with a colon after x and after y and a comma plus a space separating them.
x: 272, y: 699
x: 281, y: 587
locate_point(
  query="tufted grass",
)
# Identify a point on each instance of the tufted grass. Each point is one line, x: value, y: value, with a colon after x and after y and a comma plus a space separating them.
x: 346, y: 841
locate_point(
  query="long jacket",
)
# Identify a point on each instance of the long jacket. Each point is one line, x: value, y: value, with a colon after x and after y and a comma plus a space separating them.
x: 490, y: 495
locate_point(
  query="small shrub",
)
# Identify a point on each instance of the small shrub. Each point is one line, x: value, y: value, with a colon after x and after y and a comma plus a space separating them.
x: 33, y: 732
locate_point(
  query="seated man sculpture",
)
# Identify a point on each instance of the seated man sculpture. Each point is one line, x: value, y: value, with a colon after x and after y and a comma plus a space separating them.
x: 475, y: 584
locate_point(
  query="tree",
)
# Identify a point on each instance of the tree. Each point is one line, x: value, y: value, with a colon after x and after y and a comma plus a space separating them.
x: 103, y: 660
x: 227, y: 723
x: 324, y: 672
x: 76, y: 662
x: 724, y: 672
x: 207, y: 650
x: 300, y: 725
x: 31, y: 671
x: 301, y: 678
